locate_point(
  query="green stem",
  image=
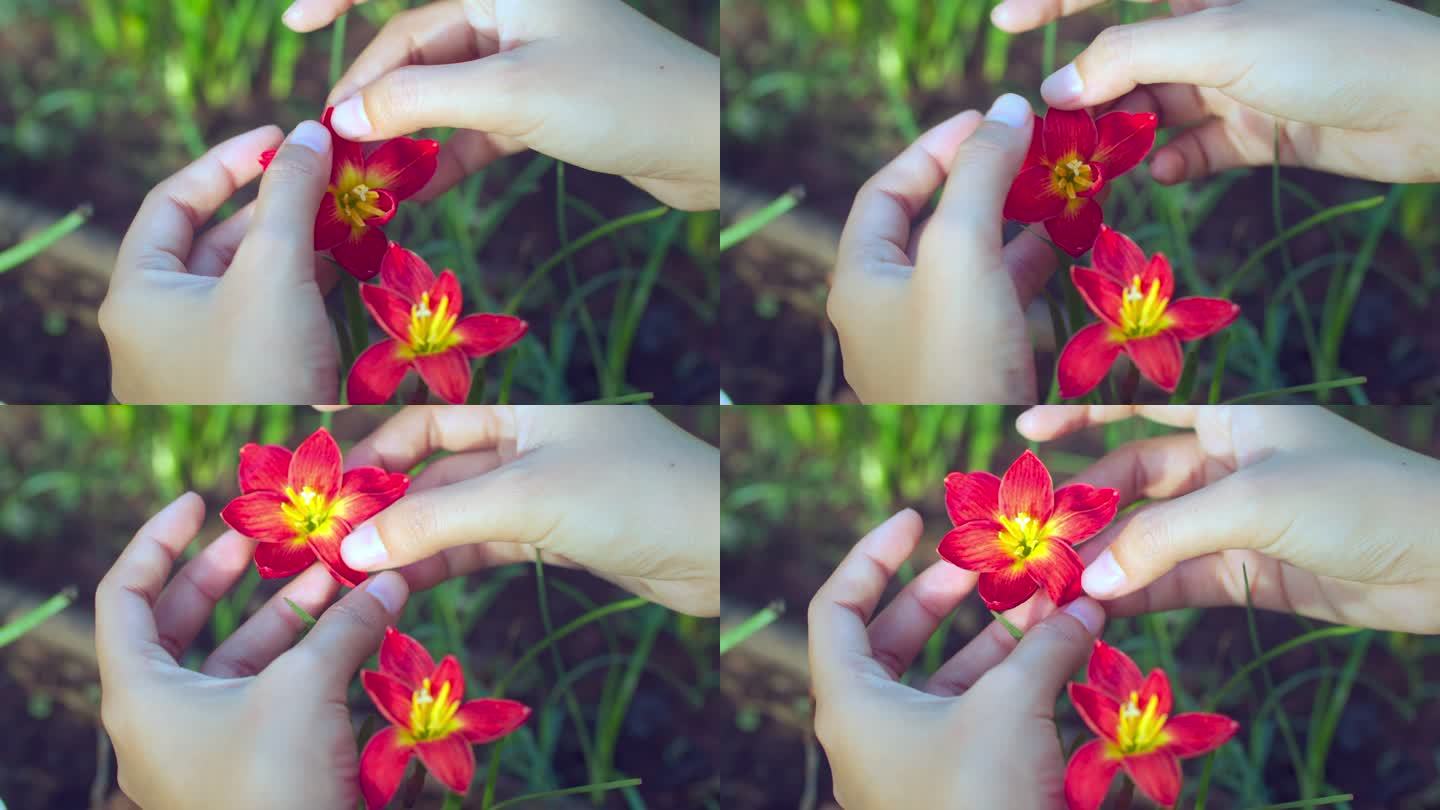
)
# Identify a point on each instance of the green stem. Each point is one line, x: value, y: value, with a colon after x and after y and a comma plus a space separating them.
x: 41, y: 242
x: 355, y: 315
x: 529, y: 797
x: 337, y: 50
x: 595, y: 235
x: 576, y: 624
x: 1300, y: 389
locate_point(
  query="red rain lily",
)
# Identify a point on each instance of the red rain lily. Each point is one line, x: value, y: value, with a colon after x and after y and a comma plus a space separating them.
x: 365, y: 192
x: 421, y: 315
x: 1137, y: 733
x: 1132, y: 297
x: 1072, y: 156
x: 299, y: 505
x: 429, y: 717
x: 1018, y: 531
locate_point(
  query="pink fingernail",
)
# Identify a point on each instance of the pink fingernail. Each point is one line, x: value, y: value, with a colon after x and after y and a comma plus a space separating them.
x: 362, y: 550
x: 1063, y: 86
x: 1103, y: 578
x: 350, y: 118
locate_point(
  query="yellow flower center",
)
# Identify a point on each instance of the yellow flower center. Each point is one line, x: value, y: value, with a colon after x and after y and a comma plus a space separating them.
x: 308, y: 511
x: 1142, y: 312
x: 1072, y: 177
x: 1140, y: 731
x: 1023, y: 536
x: 432, y: 331
x: 432, y: 715
x: 356, y: 203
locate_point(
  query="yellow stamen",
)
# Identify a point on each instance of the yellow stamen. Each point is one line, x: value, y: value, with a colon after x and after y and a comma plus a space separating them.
x: 308, y: 511
x: 432, y: 331
x: 1072, y: 177
x: 1140, y: 731
x: 356, y: 203
x: 1024, y: 537
x: 1142, y: 312
x: 432, y: 715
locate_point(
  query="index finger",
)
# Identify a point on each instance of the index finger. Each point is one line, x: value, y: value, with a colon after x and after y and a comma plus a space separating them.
x: 1045, y: 422
x: 1018, y: 16
x: 437, y: 34
x: 419, y: 431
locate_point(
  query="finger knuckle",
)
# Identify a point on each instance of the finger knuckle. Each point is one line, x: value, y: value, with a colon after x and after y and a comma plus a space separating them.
x: 294, y: 165
x: 1115, y: 46
x: 350, y: 613
x: 1146, y: 538
x: 410, y: 529
x: 395, y: 97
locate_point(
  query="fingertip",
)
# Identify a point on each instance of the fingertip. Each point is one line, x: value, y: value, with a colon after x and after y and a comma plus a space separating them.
x: 1167, y: 167
x: 1089, y: 613
x: 1103, y: 578
x: 363, y: 550
x: 351, y: 120
x: 1064, y: 88
x: 1030, y: 424
x: 1012, y: 110
x: 390, y: 589
x: 312, y: 135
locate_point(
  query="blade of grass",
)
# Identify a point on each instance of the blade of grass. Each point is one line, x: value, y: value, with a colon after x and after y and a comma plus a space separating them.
x: 762, y: 618
x: 1299, y: 389
x: 753, y: 224
x: 36, y: 616
x: 17, y: 255
x: 548, y: 794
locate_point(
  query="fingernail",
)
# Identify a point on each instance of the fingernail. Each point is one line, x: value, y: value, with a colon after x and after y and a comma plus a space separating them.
x: 362, y: 550
x: 1089, y: 612
x: 1063, y: 85
x: 350, y: 120
x: 312, y: 135
x: 1103, y: 578
x: 1010, y: 110
x: 292, y: 15
x: 1003, y: 16
x: 389, y: 588
x: 1026, y: 422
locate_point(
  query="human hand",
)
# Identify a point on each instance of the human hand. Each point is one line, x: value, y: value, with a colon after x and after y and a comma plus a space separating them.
x: 1230, y: 72
x: 237, y: 314
x: 262, y: 723
x: 1326, y: 520
x: 936, y: 313
x: 618, y: 491
x: 590, y: 82
x: 980, y: 732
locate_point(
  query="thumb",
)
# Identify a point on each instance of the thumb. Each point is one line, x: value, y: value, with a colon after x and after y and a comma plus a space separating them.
x: 983, y: 170
x: 1051, y: 652
x: 290, y: 195
x: 351, y: 630
x: 476, y: 95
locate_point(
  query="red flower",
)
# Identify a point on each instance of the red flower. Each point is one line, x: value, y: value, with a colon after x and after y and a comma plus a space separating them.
x: 421, y: 314
x: 299, y: 505
x: 1132, y: 296
x: 1137, y: 733
x: 365, y: 193
x: 1072, y: 156
x: 1018, y: 533
x: 429, y: 716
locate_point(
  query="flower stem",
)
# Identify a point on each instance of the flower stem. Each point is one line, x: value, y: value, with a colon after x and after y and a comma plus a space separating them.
x: 1127, y: 795
x: 415, y: 785
x: 1131, y: 386
x: 355, y: 314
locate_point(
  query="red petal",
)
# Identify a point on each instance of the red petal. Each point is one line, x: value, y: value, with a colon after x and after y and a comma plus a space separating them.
x: 1117, y: 256
x: 316, y: 464
x: 1159, y: 358
x: 448, y: 374
x: 1159, y: 268
x: 1086, y: 359
x: 327, y: 549
x: 1103, y: 295
x: 402, y: 166
x: 487, y: 720
x: 388, y: 205
x: 1069, y: 134
x: 1157, y: 775
x: 1088, y: 776
x: 276, y: 560
x: 347, y: 153
x: 1099, y: 710
x: 1076, y: 228
x: 1124, y: 140
x: 390, y: 309
x: 361, y: 258
x: 447, y: 287
x: 448, y: 671
x: 1195, y: 318
x: 330, y: 229
x: 1003, y: 590
x: 257, y: 515
x: 1112, y: 671
x: 450, y: 760
x: 406, y: 273
x: 1190, y: 735
x: 390, y: 695
x: 264, y: 467
x: 1081, y: 511
x: 484, y: 335
x: 1026, y: 489
x: 377, y: 374
x: 975, y: 496
x: 404, y: 658
x: 267, y: 156
x: 1057, y: 569
x: 382, y: 766
x: 364, y: 491
x: 1156, y: 684
x: 1035, y: 155
x: 1032, y: 197
x: 976, y: 546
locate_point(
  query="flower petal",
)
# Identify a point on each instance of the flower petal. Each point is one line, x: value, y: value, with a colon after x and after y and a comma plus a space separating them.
x: 390, y: 695
x: 487, y: 719
x: 267, y: 156
x: 448, y: 374
x: 327, y: 549
x: 1026, y: 489
x: 1124, y: 140
x: 1159, y: 358
x: 316, y: 464
x: 447, y: 287
x: 973, y: 496
x: 405, y: 659
x: 277, y: 560
x: 1069, y: 134
x: 1088, y: 776
x: 390, y: 309
x: 1117, y: 256
x: 1074, y: 230
x: 382, y: 766
x: 1099, y: 710
x: 377, y: 373
x: 1112, y: 671
x: 976, y: 546
x: 364, y: 491
x: 1157, y: 775
x: 1057, y: 568
x: 1081, y: 511
x: 1157, y: 684
x: 330, y: 229
x: 1195, y: 318
x: 484, y: 335
x: 1002, y: 590
x: 448, y: 671
x: 1196, y: 733
x: 1086, y: 359
x: 388, y: 206
x: 402, y: 166
x: 1035, y: 155
x: 264, y: 467
x: 348, y: 155
x: 1159, y: 268
x: 1032, y: 197
x: 257, y: 515
x: 361, y: 257
x: 404, y: 272
x: 1102, y: 294
x: 449, y: 759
